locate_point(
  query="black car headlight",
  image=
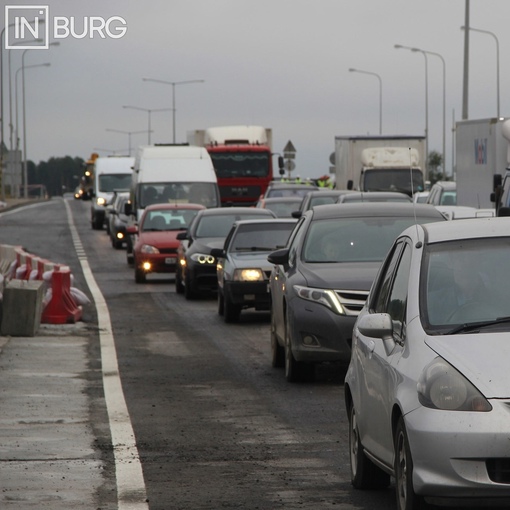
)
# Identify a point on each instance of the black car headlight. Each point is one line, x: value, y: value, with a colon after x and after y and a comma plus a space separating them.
x: 325, y: 297
x: 441, y: 386
x: 148, y: 249
x: 203, y: 258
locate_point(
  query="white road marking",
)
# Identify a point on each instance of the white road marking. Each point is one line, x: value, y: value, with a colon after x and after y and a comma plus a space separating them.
x: 131, y: 490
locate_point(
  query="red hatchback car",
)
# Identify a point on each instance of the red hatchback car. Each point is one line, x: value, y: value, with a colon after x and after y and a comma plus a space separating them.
x: 155, y: 249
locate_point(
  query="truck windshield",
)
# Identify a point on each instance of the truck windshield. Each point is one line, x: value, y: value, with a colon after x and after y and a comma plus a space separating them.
x: 394, y: 179
x: 203, y: 193
x: 110, y: 182
x: 240, y: 164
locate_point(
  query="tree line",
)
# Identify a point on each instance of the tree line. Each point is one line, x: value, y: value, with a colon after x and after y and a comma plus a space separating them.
x: 59, y: 175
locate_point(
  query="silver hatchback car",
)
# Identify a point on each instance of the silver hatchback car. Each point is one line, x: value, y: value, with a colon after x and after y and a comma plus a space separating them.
x: 427, y: 390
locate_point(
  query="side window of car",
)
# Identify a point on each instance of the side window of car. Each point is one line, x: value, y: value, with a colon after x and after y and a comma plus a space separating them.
x: 397, y: 302
x: 386, y: 277
x: 295, y: 241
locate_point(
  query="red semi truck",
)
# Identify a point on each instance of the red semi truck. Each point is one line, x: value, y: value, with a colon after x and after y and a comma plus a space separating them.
x: 242, y: 159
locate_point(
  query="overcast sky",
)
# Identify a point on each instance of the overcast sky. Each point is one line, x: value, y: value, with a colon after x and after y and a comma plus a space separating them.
x: 283, y: 64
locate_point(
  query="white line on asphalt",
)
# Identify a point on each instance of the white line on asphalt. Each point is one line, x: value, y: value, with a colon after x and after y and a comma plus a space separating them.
x: 131, y: 491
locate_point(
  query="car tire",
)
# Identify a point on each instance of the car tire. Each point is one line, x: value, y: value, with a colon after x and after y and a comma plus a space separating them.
x: 116, y: 244
x: 277, y: 351
x: 221, y: 303
x: 364, y: 473
x: 406, y: 497
x: 140, y: 276
x: 295, y: 371
x: 231, y: 311
x: 179, y: 287
x: 189, y: 293
x: 96, y: 223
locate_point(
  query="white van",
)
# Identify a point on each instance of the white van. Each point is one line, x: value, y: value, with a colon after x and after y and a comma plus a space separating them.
x: 173, y: 174
x: 110, y: 173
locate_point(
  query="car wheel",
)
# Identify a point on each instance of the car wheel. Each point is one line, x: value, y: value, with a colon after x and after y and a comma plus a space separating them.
x: 221, y: 303
x: 189, y: 293
x: 231, y: 311
x: 406, y: 498
x: 277, y: 351
x: 364, y: 473
x: 96, y: 223
x: 295, y: 371
x: 179, y: 287
x: 140, y: 276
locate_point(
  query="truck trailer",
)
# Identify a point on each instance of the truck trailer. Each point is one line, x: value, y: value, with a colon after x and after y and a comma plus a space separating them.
x: 481, y: 157
x: 380, y: 163
x: 242, y: 159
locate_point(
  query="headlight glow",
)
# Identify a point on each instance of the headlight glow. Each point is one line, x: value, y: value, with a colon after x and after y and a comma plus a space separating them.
x: 441, y: 386
x: 248, y: 275
x: 326, y: 297
x: 147, y: 266
x: 101, y: 201
x: 147, y: 248
x: 120, y: 235
x: 203, y: 258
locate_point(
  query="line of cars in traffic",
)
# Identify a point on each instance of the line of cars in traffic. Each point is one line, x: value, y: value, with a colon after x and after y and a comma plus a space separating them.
x: 416, y: 307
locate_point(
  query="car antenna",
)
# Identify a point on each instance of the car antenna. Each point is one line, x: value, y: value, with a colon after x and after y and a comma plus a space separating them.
x: 419, y: 243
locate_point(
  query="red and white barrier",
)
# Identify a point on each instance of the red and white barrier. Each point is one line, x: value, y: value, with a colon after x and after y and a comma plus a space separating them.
x: 62, y: 303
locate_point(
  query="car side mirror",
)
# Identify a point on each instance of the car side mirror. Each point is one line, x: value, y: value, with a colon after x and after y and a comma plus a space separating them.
x: 132, y: 229
x: 297, y: 214
x: 182, y: 236
x: 378, y: 325
x: 218, y: 253
x: 279, y: 257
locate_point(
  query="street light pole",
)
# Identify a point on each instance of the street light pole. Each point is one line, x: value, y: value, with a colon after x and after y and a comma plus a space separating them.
x: 497, y: 59
x: 2, y: 108
x: 173, y: 84
x: 149, y: 112
x: 25, y: 159
x: 444, y: 100
x: 399, y: 46
x: 129, y: 133
x: 16, y: 147
x: 352, y: 70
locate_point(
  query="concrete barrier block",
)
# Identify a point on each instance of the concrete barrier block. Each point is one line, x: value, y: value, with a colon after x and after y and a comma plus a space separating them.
x: 22, y: 307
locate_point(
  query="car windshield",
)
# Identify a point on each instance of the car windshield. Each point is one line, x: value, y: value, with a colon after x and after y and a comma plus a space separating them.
x: 288, y: 192
x: 219, y: 225
x: 240, y: 164
x: 377, y: 180
x: 354, y: 239
x: 110, y: 182
x: 167, y: 219
x: 322, y: 201
x: 261, y: 237
x: 285, y: 208
x: 203, y: 193
x: 465, y: 282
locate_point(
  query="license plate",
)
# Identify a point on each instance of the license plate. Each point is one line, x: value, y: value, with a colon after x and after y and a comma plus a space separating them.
x: 170, y: 261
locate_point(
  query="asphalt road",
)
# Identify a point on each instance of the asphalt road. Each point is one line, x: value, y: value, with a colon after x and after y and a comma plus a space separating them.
x: 215, y: 425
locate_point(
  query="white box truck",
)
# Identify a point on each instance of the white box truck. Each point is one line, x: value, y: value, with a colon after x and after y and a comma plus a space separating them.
x: 380, y: 163
x: 481, y: 157
x: 109, y: 173
x: 173, y: 173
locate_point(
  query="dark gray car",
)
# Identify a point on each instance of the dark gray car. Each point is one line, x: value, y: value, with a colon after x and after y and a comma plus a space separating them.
x: 321, y: 280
